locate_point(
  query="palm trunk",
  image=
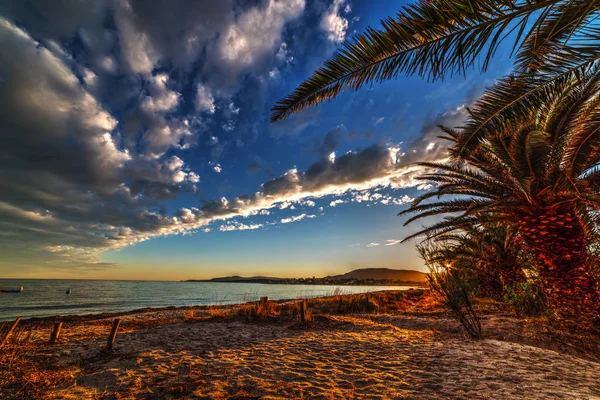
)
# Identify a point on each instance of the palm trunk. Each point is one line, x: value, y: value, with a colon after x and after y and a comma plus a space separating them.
x: 557, y: 239
x: 511, y: 272
x: 491, y: 285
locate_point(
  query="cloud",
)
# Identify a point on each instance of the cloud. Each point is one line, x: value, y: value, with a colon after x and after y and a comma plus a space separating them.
x: 373, y: 244
x: 237, y: 226
x: 216, y: 167
x: 160, y: 99
x: 296, y: 218
x: 334, y: 203
x: 205, y: 100
x: 331, y: 141
x: 95, y: 143
x: 377, y: 121
x: 333, y: 23
x: 257, y: 31
x: 392, y: 242
x: 136, y: 45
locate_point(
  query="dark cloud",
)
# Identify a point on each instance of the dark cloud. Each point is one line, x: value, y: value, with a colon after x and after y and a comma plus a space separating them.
x: 331, y: 141
x: 296, y: 123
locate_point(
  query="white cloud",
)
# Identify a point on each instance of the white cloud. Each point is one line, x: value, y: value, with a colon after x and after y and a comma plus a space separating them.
x: 334, y: 203
x: 373, y: 244
x: 296, y: 218
x: 377, y: 121
x: 161, y: 99
x: 216, y: 167
x: 193, y: 177
x: 392, y: 242
x: 333, y: 23
x: 237, y: 226
x: 165, y: 134
x: 331, y: 157
x: 205, y: 100
x: 257, y: 31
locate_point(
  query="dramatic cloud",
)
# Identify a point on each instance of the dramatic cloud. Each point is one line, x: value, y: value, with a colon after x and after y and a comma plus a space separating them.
x: 110, y: 112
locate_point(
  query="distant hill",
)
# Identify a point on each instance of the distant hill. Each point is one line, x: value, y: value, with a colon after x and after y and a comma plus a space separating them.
x: 377, y: 276
x: 406, y: 275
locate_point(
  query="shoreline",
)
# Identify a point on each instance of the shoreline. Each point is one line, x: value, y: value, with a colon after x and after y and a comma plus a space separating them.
x: 416, y: 285
x: 104, y: 315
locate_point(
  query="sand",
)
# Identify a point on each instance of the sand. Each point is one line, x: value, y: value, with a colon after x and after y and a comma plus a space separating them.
x: 415, y: 355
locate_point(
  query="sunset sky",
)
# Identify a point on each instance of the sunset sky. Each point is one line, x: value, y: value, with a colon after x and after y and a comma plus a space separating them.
x: 136, y: 141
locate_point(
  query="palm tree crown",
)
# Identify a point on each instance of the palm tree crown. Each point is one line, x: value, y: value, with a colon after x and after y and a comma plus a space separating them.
x: 539, y: 171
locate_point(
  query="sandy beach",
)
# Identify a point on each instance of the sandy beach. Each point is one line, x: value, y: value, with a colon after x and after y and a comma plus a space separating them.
x: 404, y: 345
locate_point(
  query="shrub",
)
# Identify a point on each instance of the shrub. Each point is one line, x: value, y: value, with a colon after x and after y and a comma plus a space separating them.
x: 526, y: 298
x: 453, y: 287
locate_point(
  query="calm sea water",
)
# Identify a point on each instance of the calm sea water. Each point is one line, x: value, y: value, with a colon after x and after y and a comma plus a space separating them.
x: 47, y: 297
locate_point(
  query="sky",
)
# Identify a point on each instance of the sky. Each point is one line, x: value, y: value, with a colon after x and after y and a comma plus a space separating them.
x: 136, y: 141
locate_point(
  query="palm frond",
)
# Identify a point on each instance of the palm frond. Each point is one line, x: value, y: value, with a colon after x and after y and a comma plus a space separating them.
x: 432, y: 38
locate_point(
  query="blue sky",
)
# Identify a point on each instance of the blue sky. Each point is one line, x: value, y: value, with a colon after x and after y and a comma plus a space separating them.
x: 138, y: 143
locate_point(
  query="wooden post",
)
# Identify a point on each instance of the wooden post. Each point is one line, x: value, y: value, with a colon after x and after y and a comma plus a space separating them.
x: 55, y: 332
x: 10, y: 331
x: 264, y: 300
x: 302, y: 311
x: 113, y: 334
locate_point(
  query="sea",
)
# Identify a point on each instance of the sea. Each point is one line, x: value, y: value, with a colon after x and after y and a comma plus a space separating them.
x: 48, y: 297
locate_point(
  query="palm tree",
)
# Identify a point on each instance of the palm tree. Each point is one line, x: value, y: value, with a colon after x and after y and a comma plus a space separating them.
x: 553, y: 39
x: 538, y: 172
x: 493, y: 254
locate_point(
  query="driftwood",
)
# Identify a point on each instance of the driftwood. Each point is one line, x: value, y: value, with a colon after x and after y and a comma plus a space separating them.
x: 55, y: 332
x: 113, y: 334
x: 10, y: 331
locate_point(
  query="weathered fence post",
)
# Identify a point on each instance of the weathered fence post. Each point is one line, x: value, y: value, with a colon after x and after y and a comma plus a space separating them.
x: 10, y: 331
x: 55, y: 332
x: 303, y: 309
x: 113, y: 334
x: 301, y: 305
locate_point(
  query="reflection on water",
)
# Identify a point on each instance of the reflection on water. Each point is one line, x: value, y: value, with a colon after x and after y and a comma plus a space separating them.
x: 48, y: 297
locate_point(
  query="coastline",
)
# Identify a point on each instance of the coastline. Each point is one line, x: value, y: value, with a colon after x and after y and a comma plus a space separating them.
x: 387, y: 344
x: 315, y: 282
